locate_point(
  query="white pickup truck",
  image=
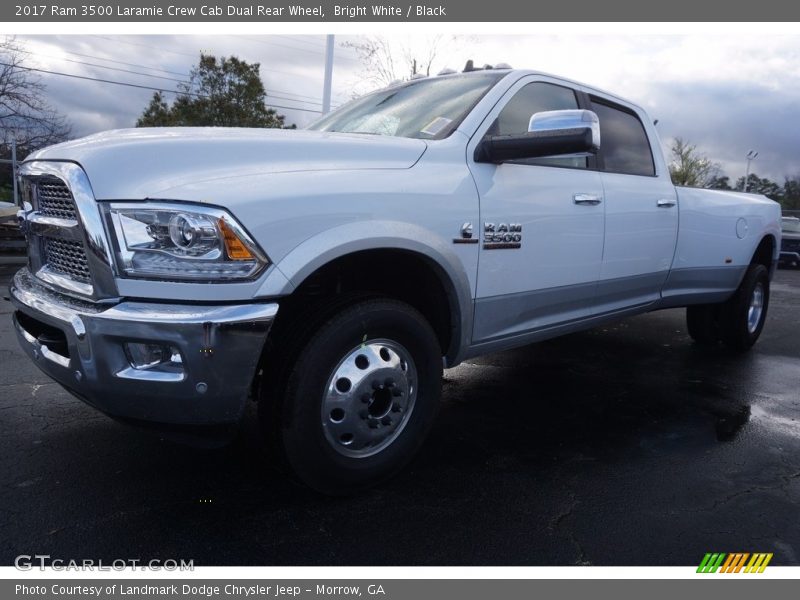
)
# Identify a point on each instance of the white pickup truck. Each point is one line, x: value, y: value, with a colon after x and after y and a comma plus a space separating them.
x: 332, y: 273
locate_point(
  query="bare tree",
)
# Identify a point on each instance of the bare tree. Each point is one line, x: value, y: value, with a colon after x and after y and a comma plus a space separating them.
x: 378, y: 59
x: 390, y: 59
x: 25, y: 115
x: 690, y: 168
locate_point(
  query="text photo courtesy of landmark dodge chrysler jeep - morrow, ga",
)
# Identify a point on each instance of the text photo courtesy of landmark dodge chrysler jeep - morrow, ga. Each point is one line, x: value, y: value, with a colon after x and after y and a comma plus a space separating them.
x: 332, y: 273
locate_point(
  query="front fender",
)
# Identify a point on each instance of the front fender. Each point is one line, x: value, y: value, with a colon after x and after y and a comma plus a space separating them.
x: 340, y: 241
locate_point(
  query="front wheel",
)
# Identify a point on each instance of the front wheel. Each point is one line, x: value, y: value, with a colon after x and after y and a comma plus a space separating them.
x: 361, y: 396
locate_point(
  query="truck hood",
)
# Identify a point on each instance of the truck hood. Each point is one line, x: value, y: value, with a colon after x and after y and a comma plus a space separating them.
x: 142, y: 163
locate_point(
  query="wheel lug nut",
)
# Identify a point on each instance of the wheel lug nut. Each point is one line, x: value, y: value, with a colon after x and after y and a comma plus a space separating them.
x: 373, y: 423
x: 397, y: 392
x: 376, y: 385
x: 396, y: 407
x: 389, y: 382
x: 365, y: 398
x: 386, y: 420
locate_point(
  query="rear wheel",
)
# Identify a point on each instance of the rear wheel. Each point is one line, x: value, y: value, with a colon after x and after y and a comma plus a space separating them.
x: 737, y: 322
x: 742, y: 316
x: 701, y: 321
x: 360, y: 398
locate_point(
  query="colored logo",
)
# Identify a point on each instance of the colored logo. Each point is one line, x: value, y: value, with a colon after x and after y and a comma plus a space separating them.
x: 736, y: 562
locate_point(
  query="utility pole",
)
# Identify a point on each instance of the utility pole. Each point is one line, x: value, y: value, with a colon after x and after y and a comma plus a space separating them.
x: 326, y: 89
x: 751, y: 155
x: 14, y: 168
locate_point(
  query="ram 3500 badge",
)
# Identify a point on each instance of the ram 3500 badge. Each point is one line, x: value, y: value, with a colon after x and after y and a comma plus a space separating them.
x: 331, y: 273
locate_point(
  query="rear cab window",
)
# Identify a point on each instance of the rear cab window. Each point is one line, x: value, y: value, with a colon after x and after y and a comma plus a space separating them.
x: 624, y: 146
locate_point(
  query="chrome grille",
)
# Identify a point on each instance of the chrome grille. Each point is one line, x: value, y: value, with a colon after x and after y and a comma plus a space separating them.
x: 68, y: 258
x: 54, y: 199
x: 67, y: 245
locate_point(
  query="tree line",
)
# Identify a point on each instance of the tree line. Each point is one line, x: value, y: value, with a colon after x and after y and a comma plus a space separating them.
x: 690, y: 167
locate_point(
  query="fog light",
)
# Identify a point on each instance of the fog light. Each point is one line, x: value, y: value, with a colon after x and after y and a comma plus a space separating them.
x: 145, y: 356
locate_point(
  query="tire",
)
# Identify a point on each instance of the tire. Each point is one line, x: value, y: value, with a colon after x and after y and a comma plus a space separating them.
x: 702, y: 323
x: 742, y: 317
x: 361, y: 396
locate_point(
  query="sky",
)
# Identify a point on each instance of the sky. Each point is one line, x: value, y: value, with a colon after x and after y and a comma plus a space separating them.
x: 725, y: 93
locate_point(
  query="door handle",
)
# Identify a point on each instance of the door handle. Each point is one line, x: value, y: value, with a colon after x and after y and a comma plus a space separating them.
x: 587, y: 199
x: 665, y: 203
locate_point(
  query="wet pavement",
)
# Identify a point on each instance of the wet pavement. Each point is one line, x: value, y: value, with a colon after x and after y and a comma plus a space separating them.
x: 624, y: 445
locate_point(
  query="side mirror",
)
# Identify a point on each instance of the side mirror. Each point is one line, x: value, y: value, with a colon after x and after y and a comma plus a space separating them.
x: 552, y: 133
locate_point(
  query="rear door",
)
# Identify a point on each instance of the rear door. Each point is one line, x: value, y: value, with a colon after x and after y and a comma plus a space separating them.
x: 641, y: 209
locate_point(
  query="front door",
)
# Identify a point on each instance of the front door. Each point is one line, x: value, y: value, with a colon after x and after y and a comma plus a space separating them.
x: 542, y: 226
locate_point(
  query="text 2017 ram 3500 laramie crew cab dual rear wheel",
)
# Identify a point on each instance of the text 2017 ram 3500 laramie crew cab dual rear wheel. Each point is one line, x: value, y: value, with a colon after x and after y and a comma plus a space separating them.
x: 358, y: 400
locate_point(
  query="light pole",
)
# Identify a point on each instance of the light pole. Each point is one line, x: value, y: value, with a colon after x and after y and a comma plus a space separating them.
x: 326, y: 87
x: 751, y: 155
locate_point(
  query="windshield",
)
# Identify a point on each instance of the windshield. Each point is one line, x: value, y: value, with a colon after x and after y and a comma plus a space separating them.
x: 429, y: 108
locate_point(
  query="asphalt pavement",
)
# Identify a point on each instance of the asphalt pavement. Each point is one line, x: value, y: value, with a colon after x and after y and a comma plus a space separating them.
x: 623, y: 445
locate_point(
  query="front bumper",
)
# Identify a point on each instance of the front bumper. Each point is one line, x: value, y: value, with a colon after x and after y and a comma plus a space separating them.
x: 220, y: 349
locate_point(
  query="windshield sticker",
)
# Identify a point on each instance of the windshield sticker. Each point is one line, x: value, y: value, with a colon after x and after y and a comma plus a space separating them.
x: 436, y: 126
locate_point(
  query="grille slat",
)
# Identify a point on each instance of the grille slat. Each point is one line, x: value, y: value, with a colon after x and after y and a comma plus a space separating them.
x: 67, y: 257
x: 54, y: 199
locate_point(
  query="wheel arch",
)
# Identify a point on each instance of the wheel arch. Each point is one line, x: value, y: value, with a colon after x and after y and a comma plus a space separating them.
x: 766, y: 253
x: 409, y: 248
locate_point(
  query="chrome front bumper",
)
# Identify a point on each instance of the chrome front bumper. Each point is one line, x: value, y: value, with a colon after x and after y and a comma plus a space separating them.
x: 220, y: 349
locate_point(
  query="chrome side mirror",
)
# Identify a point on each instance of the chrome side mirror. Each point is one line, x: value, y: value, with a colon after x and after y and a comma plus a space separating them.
x: 555, y: 133
x: 566, y: 122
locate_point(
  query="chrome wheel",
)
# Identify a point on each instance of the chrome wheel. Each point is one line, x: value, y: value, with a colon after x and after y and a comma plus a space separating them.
x: 756, y: 308
x: 369, y: 398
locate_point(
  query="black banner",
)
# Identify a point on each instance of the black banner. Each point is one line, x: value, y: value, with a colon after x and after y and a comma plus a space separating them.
x: 396, y: 11
x: 731, y: 588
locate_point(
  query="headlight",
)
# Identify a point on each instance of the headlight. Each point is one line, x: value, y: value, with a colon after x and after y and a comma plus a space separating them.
x: 182, y: 241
